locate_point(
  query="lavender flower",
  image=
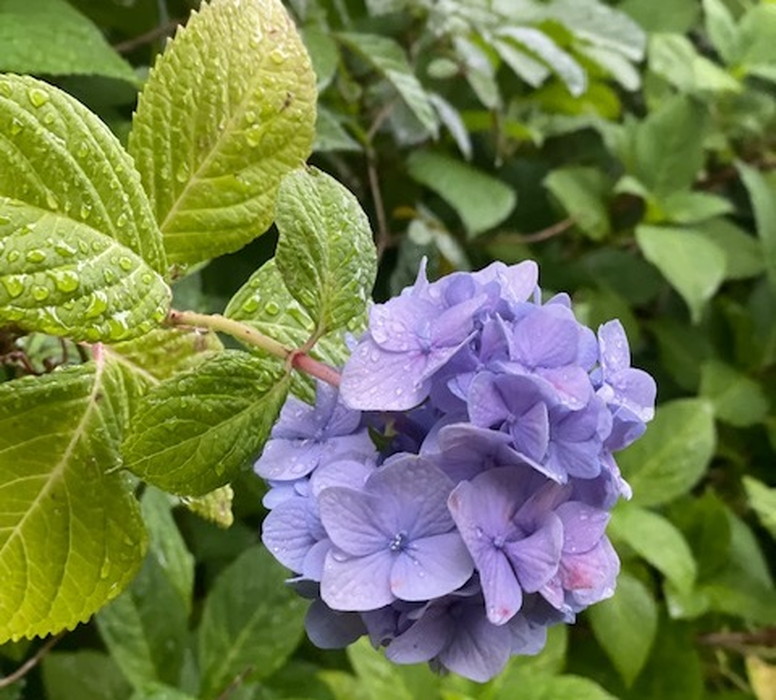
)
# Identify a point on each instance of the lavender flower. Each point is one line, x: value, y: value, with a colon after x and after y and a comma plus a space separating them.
x: 451, y: 500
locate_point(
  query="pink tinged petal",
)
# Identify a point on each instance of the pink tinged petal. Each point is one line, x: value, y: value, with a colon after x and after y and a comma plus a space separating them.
x: 615, y: 353
x: 412, y: 492
x: 332, y: 629
x: 431, y: 567
x: 535, y: 559
x: 571, y: 385
x: 583, y: 526
x: 357, y: 583
x: 531, y: 432
x: 543, y: 339
x: 374, y: 379
x: 351, y: 521
x: 285, y: 460
x: 502, y: 593
x: 553, y: 593
x: 424, y: 639
x: 286, y: 535
x: 479, y: 651
x: 590, y: 576
x: 315, y: 559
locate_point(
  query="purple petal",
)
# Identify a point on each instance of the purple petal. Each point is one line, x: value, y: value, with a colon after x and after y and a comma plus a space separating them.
x: 583, y: 526
x: 332, y: 629
x: 636, y: 390
x: 285, y: 533
x: 527, y: 639
x: 358, y: 583
x: 544, y: 339
x: 535, y: 558
x: 467, y: 450
x: 431, y: 567
x: 352, y: 521
x: 485, y: 402
x: 571, y: 384
x: 351, y: 473
x: 295, y: 420
x: 424, y: 639
x: 590, y: 577
x: 615, y: 353
x: 454, y: 326
x: 315, y: 559
x: 286, y: 460
x: 578, y: 459
x: 393, y: 326
x: 531, y: 433
x: 502, y: 593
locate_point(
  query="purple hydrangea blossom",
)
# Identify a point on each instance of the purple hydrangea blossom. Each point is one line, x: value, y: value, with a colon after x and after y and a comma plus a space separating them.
x: 451, y: 500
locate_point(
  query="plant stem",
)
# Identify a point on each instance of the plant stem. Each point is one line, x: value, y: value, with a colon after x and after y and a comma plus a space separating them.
x: 31, y: 663
x: 294, y: 358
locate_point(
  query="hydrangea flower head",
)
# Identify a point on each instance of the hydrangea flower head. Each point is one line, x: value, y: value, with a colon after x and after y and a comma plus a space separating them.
x: 450, y: 501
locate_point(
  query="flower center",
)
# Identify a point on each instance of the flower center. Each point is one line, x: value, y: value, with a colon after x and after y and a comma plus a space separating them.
x: 398, y: 542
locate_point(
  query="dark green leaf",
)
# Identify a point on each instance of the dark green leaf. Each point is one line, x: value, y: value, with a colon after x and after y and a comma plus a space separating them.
x: 763, y: 198
x: 582, y: 192
x: 83, y: 675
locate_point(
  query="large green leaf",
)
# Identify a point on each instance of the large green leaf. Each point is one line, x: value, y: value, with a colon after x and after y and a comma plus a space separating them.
x: 625, y: 626
x: 655, y: 539
x: 481, y: 200
x: 325, y: 251
x: 51, y: 37
x: 388, y: 58
x: 251, y: 622
x: 83, y: 675
x: 673, y: 454
x: 582, y: 192
x: 71, y: 536
x: 743, y: 252
x: 763, y: 198
x: 228, y: 109
x: 693, y: 264
x: 195, y: 431
x: 736, y: 398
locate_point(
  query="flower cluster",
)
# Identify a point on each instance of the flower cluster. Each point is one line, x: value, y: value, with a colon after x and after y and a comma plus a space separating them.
x: 450, y: 500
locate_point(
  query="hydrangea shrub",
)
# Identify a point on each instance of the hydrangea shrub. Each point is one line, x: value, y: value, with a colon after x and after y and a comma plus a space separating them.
x: 450, y: 498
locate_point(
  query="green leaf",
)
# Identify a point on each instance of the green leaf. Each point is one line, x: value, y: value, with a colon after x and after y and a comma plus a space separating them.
x: 655, y: 539
x: 763, y: 198
x: 668, y: 146
x: 625, y: 626
x: 51, y: 37
x: 481, y: 201
x: 687, y: 207
x: 743, y: 252
x: 763, y: 501
x: 380, y: 678
x: 83, y: 675
x: 264, y: 303
x: 736, y: 398
x: 166, y: 543
x: 160, y: 691
x: 215, y: 507
x: 195, y: 431
x: 323, y: 53
x: 683, y: 348
x: 722, y: 30
x: 662, y: 15
x: 330, y: 135
x: 554, y: 688
x: 71, y: 536
x: 694, y: 265
x: 325, y: 252
x: 389, y: 60
x: 145, y: 628
x: 228, y: 109
x: 582, y: 192
x: 673, y: 57
x: 251, y: 622
x: 673, y: 454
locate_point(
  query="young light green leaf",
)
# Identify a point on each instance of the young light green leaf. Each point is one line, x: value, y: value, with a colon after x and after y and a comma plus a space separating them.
x: 145, y: 628
x: 694, y: 265
x: 545, y: 687
x: 722, y: 30
x: 166, y: 544
x: 325, y: 252
x: 228, y: 109
x: 582, y: 192
x: 389, y: 60
x: 688, y: 207
x: 194, y: 432
x: 655, y: 539
x: 743, y: 252
x: 668, y: 146
x: 626, y: 625
x: 737, y: 399
x: 673, y: 454
x: 381, y: 678
x: 71, y: 536
x: 60, y: 158
x: 250, y: 623
x: 51, y: 37
x: 83, y: 675
x: 522, y: 64
x: 762, y: 500
x: 763, y: 198
x: 215, y: 507
x: 481, y: 201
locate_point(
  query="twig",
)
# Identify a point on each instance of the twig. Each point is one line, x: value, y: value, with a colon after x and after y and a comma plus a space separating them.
x: 383, y: 234
x: 151, y: 35
x: 543, y: 235
x: 737, y: 641
x: 296, y: 358
x: 31, y: 663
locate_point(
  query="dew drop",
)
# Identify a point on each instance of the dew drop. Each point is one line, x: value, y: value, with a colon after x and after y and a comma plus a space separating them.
x: 250, y: 305
x: 254, y: 135
x: 66, y: 281
x: 51, y: 201
x: 182, y: 174
x: 105, y: 569
x: 121, y: 220
x: 97, y: 305
x: 125, y: 263
x: 86, y: 210
x: 250, y: 117
x: 64, y: 249
x: 36, y: 255
x: 40, y: 293
x: 109, y: 275
x: 13, y: 256
x: 277, y: 57
x: 14, y: 286
x: 4, y: 220
x: 272, y: 308
x: 82, y: 151
x: 37, y: 97
x: 5, y: 89
x: 16, y: 127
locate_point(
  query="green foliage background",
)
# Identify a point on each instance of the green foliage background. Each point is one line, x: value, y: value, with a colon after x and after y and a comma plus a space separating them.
x: 629, y: 148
